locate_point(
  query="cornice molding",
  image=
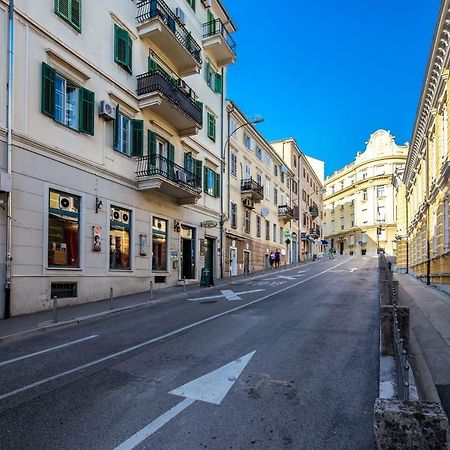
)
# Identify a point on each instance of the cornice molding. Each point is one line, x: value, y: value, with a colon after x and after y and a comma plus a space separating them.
x: 436, y: 77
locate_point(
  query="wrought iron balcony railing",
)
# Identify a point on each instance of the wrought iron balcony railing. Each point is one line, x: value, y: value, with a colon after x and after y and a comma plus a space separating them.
x: 314, y: 211
x: 285, y: 211
x: 250, y: 185
x: 148, y: 9
x: 215, y: 27
x: 175, y: 90
x: 314, y: 232
x: 157, y: 165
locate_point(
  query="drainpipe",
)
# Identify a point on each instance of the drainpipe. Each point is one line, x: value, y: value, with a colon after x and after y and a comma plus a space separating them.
x: 10, y: 89
x: 222, y: 171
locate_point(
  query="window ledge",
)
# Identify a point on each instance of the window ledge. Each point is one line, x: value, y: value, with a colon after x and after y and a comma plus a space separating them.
x: 161, y: 272
x: 66, y: 67
x: 72, y: 269
x: 121, y: 270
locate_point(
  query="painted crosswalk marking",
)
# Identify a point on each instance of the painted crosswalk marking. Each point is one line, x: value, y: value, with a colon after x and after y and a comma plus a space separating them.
x: 227, y: 293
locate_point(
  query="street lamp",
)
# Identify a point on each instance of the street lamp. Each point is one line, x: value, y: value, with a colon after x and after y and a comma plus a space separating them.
x: 230, y: 109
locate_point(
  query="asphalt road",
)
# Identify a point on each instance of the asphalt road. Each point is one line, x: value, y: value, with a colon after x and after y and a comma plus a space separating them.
x: 307, y: 379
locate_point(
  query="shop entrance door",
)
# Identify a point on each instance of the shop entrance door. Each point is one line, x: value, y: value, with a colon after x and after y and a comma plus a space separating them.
x: 233, y: 262
x: 341, y: 248
x: 188, y: 256
x: 246, y: 262
x: 209, y: 255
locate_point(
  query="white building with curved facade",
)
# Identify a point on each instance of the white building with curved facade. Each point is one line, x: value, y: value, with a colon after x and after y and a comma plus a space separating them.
x: 360, y: 211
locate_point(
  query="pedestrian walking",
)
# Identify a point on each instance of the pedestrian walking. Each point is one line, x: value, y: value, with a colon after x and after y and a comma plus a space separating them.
x: 271, y: 259
x: 277, y: 257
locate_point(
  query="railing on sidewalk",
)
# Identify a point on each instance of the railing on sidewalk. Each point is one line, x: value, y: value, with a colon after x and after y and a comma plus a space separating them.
x: 400, y: 351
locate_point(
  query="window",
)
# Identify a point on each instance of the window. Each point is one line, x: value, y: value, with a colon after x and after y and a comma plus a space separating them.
x: 304, y: 172
x: 275, y: 169
x: 194, y: 166
x: 267, y: 230
x: 352, y: 219
x: 268, y: 189
x: 304, y: 219
x: 247, y: 221
x: 259, y: 178
x: 159, y: 244
x: 66, y: 103
x: 281, y: 235
x: 211, y: 126
x: 70, y: 11
x: 191, y: 3
x: 275, y: 196
x: 380, y: 191
x: 304, y: 195
x: 294, y: 186
x: 364, y: 195
x: 128, y: 135
x: 274, y: 232
x: 123, y: 49
x: 233, y: 215
x: 258, y: 226
x: 211, y: 182
x: 233, y: 127
x: 379, y: 170
x: 333, y: 226
x: 63, y: 290
x: 342, y: 223
x: 380, y: 213
x: 119, y: 239
x: 288, y: 182
x: 63, y: 229
x: 233, y: 164
x: 282, y: 176
x: 259, y: 153
x: 364, y: 175
x: 295, y: 161
x: 248, y: 141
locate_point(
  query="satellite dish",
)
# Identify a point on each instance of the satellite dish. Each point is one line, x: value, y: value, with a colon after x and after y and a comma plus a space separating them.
x: 284, y: 169
x: 264, y: 212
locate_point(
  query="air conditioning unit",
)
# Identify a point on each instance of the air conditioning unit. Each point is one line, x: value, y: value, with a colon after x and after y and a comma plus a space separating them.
x: 107, y: 111
x: 249, y: 203
x: 66, y: 203
x: 181, y: 176
x: 181, y: 16
x: 183, y: 86
x: 124, y: 217
x: 115, y: 215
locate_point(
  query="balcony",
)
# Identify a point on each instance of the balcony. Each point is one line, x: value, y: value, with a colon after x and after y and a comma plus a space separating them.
x: 314, y: 211
x: 218, y: 43
x: 155, y: 172
x: 314, y: 233
x: 157, y: 23
x: 285, y: 212
x: 252, y: 189
x: 170, y: 98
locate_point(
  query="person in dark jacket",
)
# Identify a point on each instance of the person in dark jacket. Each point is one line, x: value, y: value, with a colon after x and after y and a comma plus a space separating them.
x: 277, y: 258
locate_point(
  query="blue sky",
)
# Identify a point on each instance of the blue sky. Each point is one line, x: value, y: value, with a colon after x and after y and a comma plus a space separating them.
x: 331, y: 73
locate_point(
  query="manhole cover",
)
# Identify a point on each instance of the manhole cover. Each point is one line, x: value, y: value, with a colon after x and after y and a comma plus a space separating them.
x: 208, y: 301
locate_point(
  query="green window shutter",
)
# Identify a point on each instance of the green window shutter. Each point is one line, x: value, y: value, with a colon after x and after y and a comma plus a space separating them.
x: 211, y: 23
x: 152, y: 66
x: 123, y: 46
x: 171, y: 162
x: 129, y: 53
x: 116, y: 129
x: 62, y: 8
x: 151, y: 143
x: 207, y: 71
x: 48, y: 91
x: 137, y: 137
x: 216, y: 185
x: 205, y: 179
x: 188, y: 162
x: 86, y: 111
x: 75, y: 14
x: 218, y: 85
x: 198, y: 172
x: 211, y: 127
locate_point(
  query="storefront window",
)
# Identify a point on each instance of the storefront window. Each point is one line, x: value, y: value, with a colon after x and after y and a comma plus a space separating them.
x: 63, y: 229
x: 159, y: 236
x: 119, y: 239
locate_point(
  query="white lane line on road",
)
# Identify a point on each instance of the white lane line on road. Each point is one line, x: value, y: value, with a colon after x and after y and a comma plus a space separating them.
x: 146, y: 432
x: 30, y: 355
x: 159, y: 338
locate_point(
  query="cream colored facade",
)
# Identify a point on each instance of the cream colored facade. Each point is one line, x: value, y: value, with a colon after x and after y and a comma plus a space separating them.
x: 309, y: 173
x: 360, y: 199
x: 426, y: 178
x: 155, y: 196
x: 259, y: 198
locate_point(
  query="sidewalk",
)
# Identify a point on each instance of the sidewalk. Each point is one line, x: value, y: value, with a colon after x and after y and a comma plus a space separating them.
x: 19, y: 326
x: 430, y: 340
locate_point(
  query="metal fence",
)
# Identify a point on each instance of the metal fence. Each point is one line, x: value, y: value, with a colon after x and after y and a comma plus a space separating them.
x: 400, y: 351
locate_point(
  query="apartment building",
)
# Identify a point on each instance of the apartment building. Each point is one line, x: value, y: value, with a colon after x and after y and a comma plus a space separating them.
x: 360, y: 209
x: 116, y: 146
x: 427, y: 171
x: 259, y: 198
x: 307, y: 198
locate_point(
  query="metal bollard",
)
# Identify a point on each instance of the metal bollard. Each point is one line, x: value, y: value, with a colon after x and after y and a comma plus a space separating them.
x: 151, y: 290
x: 184, y: 284
x: 111, y: 297
x: 55, y: 309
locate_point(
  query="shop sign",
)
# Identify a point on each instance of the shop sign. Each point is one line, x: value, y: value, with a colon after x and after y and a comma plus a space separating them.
x: 209, y: 224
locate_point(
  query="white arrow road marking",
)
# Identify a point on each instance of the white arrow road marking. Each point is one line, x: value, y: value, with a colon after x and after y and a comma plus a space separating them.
x: 231, y: 294
x: 354, y: 268
x: 286, y: 277
x: 67, y: 344
x: 303, y: 271
x: 210, y: 388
